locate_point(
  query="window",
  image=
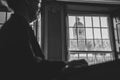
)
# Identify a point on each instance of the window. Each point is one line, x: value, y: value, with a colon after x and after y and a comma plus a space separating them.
x: 4, y: 16
x: 89, y: 38
x: 116, y: 22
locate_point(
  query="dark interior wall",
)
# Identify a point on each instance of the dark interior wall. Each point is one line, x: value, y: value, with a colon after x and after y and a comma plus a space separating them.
x: 53, y: 31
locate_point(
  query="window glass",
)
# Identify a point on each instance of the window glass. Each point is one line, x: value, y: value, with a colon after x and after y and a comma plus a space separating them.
x: 98, y: 45
x: 73, y: 56
x: 97, y: 33
x: 89, y: 39
x: 116, y: 34
x: 71, y: 20
x: 90, y: 45
x: 8, y: 15
x: 105, y: 34
x: 2, y: 17
x: 72, y: 33
x: 89, y: 33
x: 88, y: 21
x: 106, y: 45
x: 118, y: 29
x: 73, y: 45
x: 96, y: 22
x: 81, y: 19
x: 104, y: 22
x: 81, y: 33
x: 81, y: 45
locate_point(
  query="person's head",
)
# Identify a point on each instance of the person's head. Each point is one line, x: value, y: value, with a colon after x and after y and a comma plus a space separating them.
x: 78, y: 19
x: 26, y: 8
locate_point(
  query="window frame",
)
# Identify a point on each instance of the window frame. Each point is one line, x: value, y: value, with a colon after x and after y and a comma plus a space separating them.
x: 78, y: 13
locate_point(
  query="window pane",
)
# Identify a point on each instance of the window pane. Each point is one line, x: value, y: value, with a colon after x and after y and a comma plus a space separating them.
x: 88, y: 22
x: 8, y: 15
x: 72, y: 33
x: 118, y: 31
x: 104, y: 22
x: 73, y: 56
x: 81, y: 45
x: 114, y: 23
x: 2, y: 17
x: 108, y: 56
x: 89, y: 45
x: 73, y: 45
x: 105, y: 34
x: 96, y: 22
x: 82, y: 55
x: 100, y: 58
x: 91, y: 57
x: 97, y: 34
x: 81, y: 33
x: 115, y: 33
x: 117, y: 46
x: 98, y: 45
x: 89, y: 33
x: 106, y: 45
x: 71, y: 20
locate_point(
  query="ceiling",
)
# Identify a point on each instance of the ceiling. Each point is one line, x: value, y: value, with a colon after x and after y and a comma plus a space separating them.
x: 94, y: 1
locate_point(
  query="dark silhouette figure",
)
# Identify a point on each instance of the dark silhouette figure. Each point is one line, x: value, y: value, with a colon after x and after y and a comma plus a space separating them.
x: 19, y: 49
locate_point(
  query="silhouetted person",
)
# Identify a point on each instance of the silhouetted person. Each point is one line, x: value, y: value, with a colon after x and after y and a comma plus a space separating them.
x: 19, y: 49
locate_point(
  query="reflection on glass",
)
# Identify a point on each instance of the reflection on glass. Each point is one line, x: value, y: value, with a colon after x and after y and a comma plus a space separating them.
x: 2, y: 17
x: 88, y: 21
x: 81, y: 19
x: 78, y: 23
x: 105, y: 34
x: 104, y: 22
x: 97, y: 34
x: 89, y: 33
x: 71, y: 20
x: 96, y: 22
x: 78, y: 29
x: 81, y: 33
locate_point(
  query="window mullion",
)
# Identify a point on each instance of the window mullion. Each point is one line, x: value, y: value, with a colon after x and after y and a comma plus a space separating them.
x: 101, y: 30
x: 93, y: 31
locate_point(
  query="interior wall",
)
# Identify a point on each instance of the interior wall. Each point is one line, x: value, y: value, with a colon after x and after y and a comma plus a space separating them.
x: 53, y: 31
